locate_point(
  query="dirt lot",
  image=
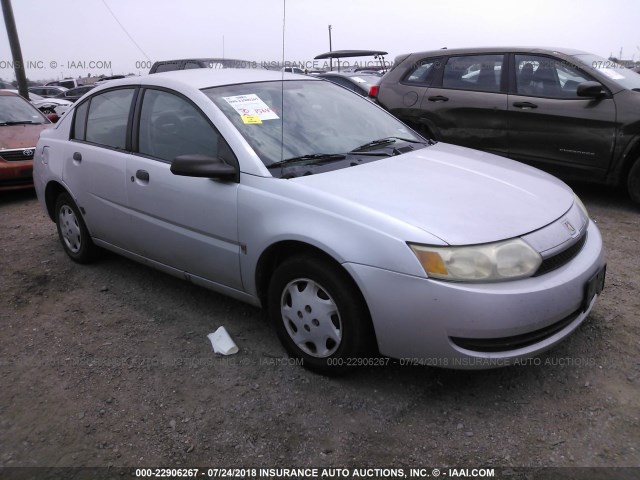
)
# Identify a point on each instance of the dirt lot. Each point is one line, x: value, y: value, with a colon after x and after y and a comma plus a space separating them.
x: 109, y: 365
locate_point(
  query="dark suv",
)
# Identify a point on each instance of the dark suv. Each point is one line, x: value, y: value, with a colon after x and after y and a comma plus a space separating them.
x: 569, y: 112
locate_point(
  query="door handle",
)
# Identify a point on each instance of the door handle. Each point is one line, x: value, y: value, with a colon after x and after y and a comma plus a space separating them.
x: 438, y: 98
x: 142, y: 175
x: 525, y: 105
x: 77, y: 156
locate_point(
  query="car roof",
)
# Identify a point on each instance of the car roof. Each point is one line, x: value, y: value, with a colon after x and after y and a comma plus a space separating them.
x: 457, y: 51
x: 348, y: 74
x: 210, y: 59
x: 200, y: 78
x: 8, y: 93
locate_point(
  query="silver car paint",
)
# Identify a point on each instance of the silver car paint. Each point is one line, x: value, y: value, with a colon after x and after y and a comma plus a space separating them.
x: 363, y: 217
x: 460, y: 195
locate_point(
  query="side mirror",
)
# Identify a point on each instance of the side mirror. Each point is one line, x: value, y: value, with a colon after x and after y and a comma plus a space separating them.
x: 203, y: 166
x: 590, y: 89
x: 53, y: 117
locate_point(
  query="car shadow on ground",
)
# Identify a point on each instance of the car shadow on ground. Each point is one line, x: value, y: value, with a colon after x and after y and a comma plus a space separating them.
x: 16, y: 196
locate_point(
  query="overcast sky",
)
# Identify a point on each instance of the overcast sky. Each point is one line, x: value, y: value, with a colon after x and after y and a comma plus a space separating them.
x: 77, y: 37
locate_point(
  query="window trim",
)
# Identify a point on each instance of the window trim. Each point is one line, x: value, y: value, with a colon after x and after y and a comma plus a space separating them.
x: 513, y: 85
x: 135, y: 126
x: 503, y: 88
x: 432, y: 77
x: 127, y: 141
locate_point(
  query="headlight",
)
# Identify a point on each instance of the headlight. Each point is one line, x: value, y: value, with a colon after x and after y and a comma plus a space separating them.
x: 493, y: 262
x: 581, y: 205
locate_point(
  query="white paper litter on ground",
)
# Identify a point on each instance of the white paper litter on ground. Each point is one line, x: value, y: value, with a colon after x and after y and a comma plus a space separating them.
x: 222, y: 343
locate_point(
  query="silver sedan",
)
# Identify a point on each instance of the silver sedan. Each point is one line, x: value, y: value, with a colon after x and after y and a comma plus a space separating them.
x: 362, y: 239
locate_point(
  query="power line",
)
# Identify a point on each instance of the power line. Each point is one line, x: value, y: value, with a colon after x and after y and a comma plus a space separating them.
x: 125, y: 30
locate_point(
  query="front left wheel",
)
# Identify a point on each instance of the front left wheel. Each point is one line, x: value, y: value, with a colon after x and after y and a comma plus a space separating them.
x: 319, y: 314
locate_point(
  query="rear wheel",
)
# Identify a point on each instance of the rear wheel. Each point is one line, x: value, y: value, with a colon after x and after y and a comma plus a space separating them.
x: 319, y: 314
x: 633, y: 182
x: 73, y: 233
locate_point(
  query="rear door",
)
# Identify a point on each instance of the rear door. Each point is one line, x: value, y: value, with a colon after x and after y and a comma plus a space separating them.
x: 467, y: 103
x: 186, y: 223
x: 550, y: 126
x: 95, y: 164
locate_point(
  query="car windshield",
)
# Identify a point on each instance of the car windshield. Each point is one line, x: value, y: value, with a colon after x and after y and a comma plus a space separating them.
x: 16, y: 110
x: 320, y: 120
x: 625, y: 77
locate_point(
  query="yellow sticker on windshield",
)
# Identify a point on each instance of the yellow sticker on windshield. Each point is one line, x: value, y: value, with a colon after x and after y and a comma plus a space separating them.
x: 251, y: 119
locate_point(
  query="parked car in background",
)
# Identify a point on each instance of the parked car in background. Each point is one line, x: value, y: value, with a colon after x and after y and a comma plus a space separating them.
x: 568, y: 112
x: 50, y: 105
x: 6, y: 85
x: 362, y: 83
x: 297, y: 70
x: 354, y: 232
x: 47, y: 91
x: 108, y: 79
x: 74, y: 94
x: 67, y: 83
x: 20, y: 126
x: 191, y: 63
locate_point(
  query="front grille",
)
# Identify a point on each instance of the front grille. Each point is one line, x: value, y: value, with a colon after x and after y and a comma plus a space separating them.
x: 505, y: 344
x: 19, y: 155
x: 561, y: 258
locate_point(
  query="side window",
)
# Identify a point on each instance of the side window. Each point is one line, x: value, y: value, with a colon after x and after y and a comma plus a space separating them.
x: 107, y: 118
x: 80, y: 121
x: 479, y: 73
x: 191, y: 65
x: 171, y: 126
x: 547, y: 77
x: 422, y: 72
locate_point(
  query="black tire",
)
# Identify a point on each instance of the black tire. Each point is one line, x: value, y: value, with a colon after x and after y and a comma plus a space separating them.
x: 73, y: 233
x: 633, y: 182
x: 331, y: 324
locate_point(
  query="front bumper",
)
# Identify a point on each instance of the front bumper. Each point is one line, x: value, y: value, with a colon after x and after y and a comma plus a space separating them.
x: 423, y: 319
x: 16, y: 175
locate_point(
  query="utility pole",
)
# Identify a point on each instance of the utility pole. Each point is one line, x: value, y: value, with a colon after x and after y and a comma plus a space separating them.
x: 14, y: 42
x: 330, y: 49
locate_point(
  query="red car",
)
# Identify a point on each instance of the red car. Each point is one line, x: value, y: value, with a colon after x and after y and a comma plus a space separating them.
x: 20, y: 127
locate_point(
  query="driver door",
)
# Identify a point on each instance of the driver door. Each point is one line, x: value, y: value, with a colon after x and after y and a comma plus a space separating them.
x: 185, y: 223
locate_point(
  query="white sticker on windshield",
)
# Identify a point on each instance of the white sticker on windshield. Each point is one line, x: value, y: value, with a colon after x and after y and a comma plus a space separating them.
x: 612, y: 74
x: 251, y: 105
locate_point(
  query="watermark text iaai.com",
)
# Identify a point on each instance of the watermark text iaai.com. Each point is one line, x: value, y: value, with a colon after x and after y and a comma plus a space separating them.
x: 54, y: 64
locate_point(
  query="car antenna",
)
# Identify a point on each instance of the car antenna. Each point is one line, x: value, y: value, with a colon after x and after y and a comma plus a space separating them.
x: 284, y: 21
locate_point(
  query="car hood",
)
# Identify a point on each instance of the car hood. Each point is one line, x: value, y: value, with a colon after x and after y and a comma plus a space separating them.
x: 20, y: 136
x: 460, y: 195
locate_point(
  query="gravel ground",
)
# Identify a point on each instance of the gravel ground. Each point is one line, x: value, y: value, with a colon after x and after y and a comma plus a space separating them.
x: 109, y: 365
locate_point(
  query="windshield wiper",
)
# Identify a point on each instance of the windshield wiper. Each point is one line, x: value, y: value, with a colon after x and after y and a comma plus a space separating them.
x: 21, y: 122
x: 383, y: 141
x: 312, y: 158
